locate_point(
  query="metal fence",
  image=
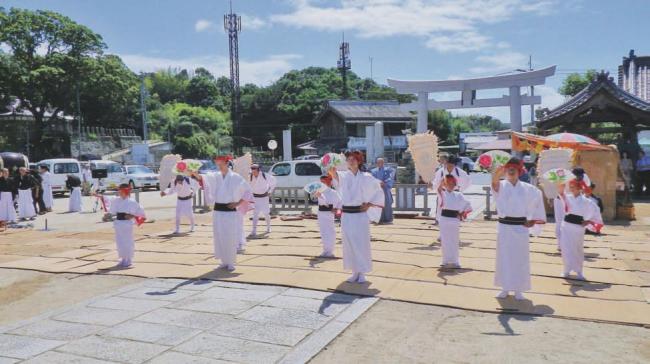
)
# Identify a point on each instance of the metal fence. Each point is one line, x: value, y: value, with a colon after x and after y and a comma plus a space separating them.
x: 291, y: 199
x: 488, y: 212
x: 405, y: 198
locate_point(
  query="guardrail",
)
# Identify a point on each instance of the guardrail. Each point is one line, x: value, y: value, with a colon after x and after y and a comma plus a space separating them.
x: 289, y: 199
x: 488, y: 212
x: 405, y: 195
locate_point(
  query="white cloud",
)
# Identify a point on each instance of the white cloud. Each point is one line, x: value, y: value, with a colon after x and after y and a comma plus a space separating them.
x: 203, y: 25
x: 259, y: 72
x: 506, y: 61
x: 445, y: 25
x: 250, y: 22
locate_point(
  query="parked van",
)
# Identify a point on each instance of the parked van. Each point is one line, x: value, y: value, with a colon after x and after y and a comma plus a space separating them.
x: 60, y: 169
x: 296, y: 173
x: 116, y: 173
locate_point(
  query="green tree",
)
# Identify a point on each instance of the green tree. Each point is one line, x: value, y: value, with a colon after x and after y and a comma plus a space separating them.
x: 575, y: 82
x: 169, y: 85
x: 47, y: 53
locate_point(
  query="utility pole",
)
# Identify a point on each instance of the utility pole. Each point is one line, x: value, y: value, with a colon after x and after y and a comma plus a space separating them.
x: 371, y: 69
x: 344, y: 64
x: 532, y: 92
x: 78, y: 120
x: 143, y: 109
x: 232, y: 25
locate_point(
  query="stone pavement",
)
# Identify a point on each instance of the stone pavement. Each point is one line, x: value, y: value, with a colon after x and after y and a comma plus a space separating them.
x: 405, y: 265
x: 179, y: 321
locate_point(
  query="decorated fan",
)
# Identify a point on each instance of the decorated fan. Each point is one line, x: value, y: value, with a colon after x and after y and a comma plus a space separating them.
x: 314, y: 187
x: 187, y: 167
x: 330, y: 160
x: 424, y: 150
x: 242, y: 165
x: 489, y: 161
x: 552, y: 159
x: 558, y: 175
x: 167, y: 164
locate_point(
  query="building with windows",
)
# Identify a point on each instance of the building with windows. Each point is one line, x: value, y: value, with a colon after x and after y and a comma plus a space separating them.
x: 343, y: 124
x: 634, y: 75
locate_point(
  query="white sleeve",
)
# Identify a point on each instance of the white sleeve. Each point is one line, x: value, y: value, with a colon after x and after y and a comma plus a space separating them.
x: 535, y: 205
x: 272, y: 182
x: 463, y: 180
x: 209, y: 186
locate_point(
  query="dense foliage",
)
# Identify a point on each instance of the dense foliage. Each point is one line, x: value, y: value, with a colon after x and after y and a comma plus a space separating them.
x: 575, y: 82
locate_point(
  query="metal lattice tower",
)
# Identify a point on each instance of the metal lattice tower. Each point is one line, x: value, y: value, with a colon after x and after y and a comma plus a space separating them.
x: 232, y: 25
x: 344, y: 64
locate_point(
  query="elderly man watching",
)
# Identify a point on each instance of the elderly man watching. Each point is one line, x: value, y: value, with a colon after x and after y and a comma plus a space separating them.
x: 386, y: 177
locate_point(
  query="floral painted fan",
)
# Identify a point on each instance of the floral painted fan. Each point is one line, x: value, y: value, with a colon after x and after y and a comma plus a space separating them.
x: 314, y: 187
x: 558, y: 175
x: 187, y: 167
x: 336, y: 160
x: 490, y: 161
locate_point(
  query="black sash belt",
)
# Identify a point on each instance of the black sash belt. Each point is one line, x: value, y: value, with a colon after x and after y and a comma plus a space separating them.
x: 326, y: 208
x: 223, y: 207
x: 574, y: 219
x: 260, y: 195
x: 449, y: 213
x: 184, y: 198
x: 121, y: 216
x: 352, y: 209
x: 508, y: 220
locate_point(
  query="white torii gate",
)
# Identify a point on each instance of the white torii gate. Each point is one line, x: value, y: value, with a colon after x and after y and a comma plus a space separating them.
x: 468, y: 87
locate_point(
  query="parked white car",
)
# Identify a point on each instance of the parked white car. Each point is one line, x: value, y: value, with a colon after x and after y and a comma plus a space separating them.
x: 116, y: 174
x: 296, y: 174
x: 139, y: 176
x: 60, y: 169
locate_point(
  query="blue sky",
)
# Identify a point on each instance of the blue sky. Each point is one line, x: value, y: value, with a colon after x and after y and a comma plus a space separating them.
x: 407, y: 39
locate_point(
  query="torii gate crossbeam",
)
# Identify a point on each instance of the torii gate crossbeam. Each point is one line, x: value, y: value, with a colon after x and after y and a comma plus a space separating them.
x: 468, y: 87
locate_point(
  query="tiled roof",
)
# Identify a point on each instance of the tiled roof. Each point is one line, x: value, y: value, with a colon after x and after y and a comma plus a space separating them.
x: 368, y: 110
x: 602, y: 82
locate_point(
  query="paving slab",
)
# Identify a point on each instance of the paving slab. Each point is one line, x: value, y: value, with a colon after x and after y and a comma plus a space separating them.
x: 173, y: 357
x: 184, y: 318
x: 281, y: 316
x: 262, y: 332
x: 53, y: 357
x: 149, y: 332
x: 233, y: 349
x: 96, y: 316
x: 57, y: 330
x: 206, y: 303
x: 22, y: 347
x: 113, y: 349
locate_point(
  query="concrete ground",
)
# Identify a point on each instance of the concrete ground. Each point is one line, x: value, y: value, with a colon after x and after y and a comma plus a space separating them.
x: 46, y: 272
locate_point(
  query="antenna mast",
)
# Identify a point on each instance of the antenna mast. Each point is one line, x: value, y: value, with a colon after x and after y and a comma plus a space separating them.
x: 232, y: 25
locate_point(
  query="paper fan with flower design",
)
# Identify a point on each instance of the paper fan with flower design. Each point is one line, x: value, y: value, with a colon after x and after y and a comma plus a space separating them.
x: 558, y: 175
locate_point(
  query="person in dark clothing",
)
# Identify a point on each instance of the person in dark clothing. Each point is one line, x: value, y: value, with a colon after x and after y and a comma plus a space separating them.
x: 73, y: 183
x: 7, y: 208
x: 37, y: 193
x: 26, y: 183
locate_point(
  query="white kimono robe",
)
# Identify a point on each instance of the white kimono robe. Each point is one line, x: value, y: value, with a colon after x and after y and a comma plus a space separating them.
x: 450, y: 226
x: 46, y: 183
x: 124, y: 228
x: 74, y: 203
x: 558, y: 212
x: 512, y: 271
x: 573, y: 235
x: 25, y: 204
x: 226, y: 226
x: 462, y: 183
x: 356, y: 189
x: 326, y: 219
x: 7, y: 210
x: 263, y: 183
x: 183, y: 207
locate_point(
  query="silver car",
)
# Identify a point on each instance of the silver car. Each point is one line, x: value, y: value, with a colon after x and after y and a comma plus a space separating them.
x: 139, y: 176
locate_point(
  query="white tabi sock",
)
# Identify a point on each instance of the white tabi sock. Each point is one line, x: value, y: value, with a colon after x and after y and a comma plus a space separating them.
x: 353, y: 278
x: 502, y: 294
x: 519, y: 296
x: 362, y: 278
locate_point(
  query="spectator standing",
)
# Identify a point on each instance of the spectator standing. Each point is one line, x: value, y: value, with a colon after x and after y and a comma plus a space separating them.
x: 643, y: 174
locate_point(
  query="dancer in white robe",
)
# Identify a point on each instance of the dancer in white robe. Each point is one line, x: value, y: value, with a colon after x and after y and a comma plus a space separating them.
x: 448, y: 167
x: 454, y: 208
x: 225, y: 189
x: 127, y: 212
x: 360, y: 193
x: 580, y: 212
x: 519, y: 207
x: 25, y: 201
x: 262, y: 185
x: 7, y: 209
x: 46, y: 184
x: 328, y: 202
x: 183, y: 187
x: 73, y: 184
x: 558, y: 213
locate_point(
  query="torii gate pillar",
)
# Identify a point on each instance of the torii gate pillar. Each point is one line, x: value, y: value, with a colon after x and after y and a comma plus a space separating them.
x: 515, y: 108
x: 423, y: 112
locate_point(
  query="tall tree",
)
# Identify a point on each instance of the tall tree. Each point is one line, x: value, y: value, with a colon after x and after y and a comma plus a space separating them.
x: 47, y: 55
x: 575, y: 82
